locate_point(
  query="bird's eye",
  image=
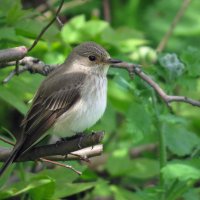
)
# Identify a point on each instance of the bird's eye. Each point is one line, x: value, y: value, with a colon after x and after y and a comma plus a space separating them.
x: 92, y: 58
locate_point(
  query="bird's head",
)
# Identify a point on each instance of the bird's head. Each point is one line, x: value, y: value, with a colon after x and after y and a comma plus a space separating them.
x: 91, y: 56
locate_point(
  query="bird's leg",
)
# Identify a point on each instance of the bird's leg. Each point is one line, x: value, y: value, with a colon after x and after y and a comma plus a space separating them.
x: 63, y: 139
x: 79, y: 136
x: 75, y: 136
x: 80, y: 139
x: 93, y: 132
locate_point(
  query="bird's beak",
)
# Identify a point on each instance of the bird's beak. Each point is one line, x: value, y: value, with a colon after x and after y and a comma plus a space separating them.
x: 112, y: 61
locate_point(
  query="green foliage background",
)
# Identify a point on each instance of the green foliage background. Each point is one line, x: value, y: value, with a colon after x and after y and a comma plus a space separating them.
x: 135, y: 115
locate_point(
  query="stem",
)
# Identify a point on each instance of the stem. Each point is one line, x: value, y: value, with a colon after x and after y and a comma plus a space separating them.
x: 173, y: 25
x: 162, y: 159
x: 172, y: 189
x: 177, y: 190
x: 162, y: 147
x: 21, y: 172
x: 46, y: 27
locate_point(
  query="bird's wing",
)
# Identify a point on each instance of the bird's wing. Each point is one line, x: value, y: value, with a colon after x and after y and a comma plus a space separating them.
x: 55, y: 97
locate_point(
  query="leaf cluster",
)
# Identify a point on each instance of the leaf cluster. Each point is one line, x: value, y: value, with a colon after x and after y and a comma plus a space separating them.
x: 135, y: 116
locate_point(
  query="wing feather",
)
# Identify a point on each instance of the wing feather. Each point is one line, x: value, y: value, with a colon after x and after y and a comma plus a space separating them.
x: 55, y: 97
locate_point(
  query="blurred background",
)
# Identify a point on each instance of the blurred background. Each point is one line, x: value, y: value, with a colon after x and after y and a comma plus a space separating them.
x: 150, y: 151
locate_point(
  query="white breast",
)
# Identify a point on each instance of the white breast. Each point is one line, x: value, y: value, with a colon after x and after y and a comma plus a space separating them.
x: 88, y: 110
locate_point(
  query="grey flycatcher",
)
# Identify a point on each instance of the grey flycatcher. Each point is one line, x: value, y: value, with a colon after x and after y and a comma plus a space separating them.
x: 71, y: 99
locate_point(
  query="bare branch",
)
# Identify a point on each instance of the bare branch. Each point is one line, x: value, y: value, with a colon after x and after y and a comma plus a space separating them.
x: 132, y: 68
x: 83, y: 154
x: 59, y: 22
x: 46, y: 27
x: 12, y: 54
x: 106, y: 10
x: 61, y: 164
x: 33, y: 65
x: 174, y: 23
x: 17, y: 53
x: 6, y: 141
x: 60, y: 150
x: 137, y: 151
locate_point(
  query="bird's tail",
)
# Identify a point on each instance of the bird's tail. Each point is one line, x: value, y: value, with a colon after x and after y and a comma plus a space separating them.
x: 10, y: 159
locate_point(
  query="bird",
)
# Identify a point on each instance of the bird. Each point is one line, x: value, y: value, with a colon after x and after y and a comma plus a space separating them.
x: 70, y: 99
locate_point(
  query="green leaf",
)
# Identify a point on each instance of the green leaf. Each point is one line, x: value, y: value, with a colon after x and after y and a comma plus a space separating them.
x: 118, y: 159
x: 71, y: 31
x: 108, y: 120
x: 12, y: 99
x: 128, y: 45
x: 68, y: 189
x: 21, y: 187
x: 140, y: 117
x: 102, y: 189
x: 192, y: 194
x: 57, y: 174
x: 119, y: 96
x: 181, y: 172
x: 144, y: 54
x: 182, y: 36
x: 172, y: 119
x: 134, y: 131
x: 44, y: 191
x: 172, y: 65
x: 144, y: 168
x: 19, y: 89
x: 8, y: 33
x: 123, y: 194
x: 121, y: 37
x: 5, y: 179
x: 24, y: 29
x: 192, y: 60
x: 63, y: 178
x: 15, y: 12
x: 179, y: 140
x: 94, y: 27
x: 120, y: 164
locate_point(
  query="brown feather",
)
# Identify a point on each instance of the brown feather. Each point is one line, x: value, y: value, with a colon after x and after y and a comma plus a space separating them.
x: 50, y: 102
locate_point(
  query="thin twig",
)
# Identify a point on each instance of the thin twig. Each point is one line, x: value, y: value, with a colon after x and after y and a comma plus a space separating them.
x: 7, y: 64
x: 82, y: 154
x: 31, y: 64
x: 60, y: 164
x: 132, y: 68
x: 23, y: 61
x: 58, y: 151
x: 137, y: 151
x: 84, y: 157
x: 46, y: 27
x: 174, y: 23
x: 15, y: 72
x: 12, y: 74
x: 7, y: 141
x: 167, y: 98
x: 17, y: 67
x: 106, y: 10
x: 12, y: 54
x: 35, y: 66
x: 59, y: 22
